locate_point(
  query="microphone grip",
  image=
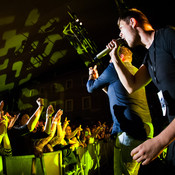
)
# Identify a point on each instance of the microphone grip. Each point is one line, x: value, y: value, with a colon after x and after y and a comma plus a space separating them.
x: 102, y: 53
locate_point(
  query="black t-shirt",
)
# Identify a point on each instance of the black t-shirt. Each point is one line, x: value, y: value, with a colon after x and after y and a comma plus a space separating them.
x: 21, y: 140
x: 15, y: 135
x: 160, y: 61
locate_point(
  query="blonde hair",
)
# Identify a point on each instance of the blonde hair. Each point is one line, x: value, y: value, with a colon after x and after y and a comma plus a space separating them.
x: 126, y: 52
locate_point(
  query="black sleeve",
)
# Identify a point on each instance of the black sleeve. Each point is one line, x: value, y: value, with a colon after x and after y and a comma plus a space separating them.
x: 19, y: 131
x: 39, y: 135
x: 146, y: 58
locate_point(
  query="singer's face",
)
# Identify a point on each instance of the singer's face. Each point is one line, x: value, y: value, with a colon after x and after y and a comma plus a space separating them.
x: 128, y: 33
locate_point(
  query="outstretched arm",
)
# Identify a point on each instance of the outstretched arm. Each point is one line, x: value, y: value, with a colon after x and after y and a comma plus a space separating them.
x: 49, y: 113
x: 41, y: 143
x: 73, y: 134
x: 152, y: 148
x: 31, y: 123
x: 13, y: 120
x: 6, y: 149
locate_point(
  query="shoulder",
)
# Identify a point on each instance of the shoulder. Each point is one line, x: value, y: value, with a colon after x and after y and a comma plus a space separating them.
x: 19, y: 131
x: 167, y: 32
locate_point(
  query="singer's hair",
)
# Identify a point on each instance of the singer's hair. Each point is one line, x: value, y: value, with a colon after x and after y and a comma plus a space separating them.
x: 126, y: 52
x: 126, y: 15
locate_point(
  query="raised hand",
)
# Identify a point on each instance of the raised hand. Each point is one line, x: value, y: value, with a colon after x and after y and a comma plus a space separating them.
x: 93, y: 72
x: 50, y: 110
x: 40, y: 101
x: 66, y: 122
x: 58, y: 115
x: 79, y: 128
x: 13, y: 120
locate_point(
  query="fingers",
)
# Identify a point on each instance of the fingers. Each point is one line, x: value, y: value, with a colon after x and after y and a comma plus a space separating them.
x: 140, y: 156
x: 16, y: 117
x: 134, y: 151
x: 50, y: 109
x: 79, y: 128
x: 112, y: 44
x: 40, y: 101
x: 95, y: 67
x: 146, y: 162
x: 91, y: 70
x: 59, y: 112
x: 137, y: 154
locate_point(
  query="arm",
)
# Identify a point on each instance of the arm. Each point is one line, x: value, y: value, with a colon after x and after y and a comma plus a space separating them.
x: 6, y: 150
x: 129, y: 81
x: 152, y: 148
x: 49, y: 113
x: 75, y: 132
x: 98, y: 82
x: 74, y: 143
x: 6, y: 142
x: 59, y: 128
x: 1, y: 105
x: 66, y: 122
x: 41, y: 143
x: 93, y: 73
x: 35, y: 117
x: 13, y: 120
x: 7, y: 146
x: 60, y: 136
x: 55, y: 121
x: 3, y: 127
x: 1, y: 109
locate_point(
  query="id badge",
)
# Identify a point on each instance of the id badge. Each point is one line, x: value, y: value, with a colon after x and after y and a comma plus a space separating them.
x: 162, y: 102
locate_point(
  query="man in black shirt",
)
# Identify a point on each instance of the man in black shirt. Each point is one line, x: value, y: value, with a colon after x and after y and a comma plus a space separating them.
x: 16, y: 134
x: 158, y: 66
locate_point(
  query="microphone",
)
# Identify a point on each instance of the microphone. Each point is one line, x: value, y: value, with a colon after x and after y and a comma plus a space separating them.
x: 107, y: 50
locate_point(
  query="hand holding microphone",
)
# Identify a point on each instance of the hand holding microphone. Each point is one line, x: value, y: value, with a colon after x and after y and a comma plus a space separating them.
x: 109, y: 47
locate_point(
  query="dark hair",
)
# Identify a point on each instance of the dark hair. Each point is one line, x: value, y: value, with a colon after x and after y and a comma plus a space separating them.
x: 133, y: 13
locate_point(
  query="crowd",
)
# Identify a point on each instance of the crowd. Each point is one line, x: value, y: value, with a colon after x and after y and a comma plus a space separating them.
x: 24, y: 135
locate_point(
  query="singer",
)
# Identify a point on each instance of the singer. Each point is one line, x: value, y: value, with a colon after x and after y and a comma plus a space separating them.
x: 158, y: 66
x: 130, y: 113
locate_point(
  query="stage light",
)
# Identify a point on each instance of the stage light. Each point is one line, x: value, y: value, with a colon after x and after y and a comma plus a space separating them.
x: 79, y: 38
